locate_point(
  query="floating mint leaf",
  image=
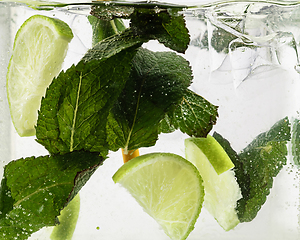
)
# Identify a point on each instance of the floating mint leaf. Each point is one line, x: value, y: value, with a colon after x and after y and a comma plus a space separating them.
x: 111, y: 11
x: 38, y: 188
x: 296, y: 141
x: 156, y: 84
x: 114, y: 10
x: 221, y: 40
x: 74, y: 111
x: 194, y: 115
x: 257, y: 165
x: 168, y: 29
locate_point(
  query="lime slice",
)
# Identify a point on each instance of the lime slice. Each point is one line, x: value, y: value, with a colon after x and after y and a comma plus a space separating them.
x: 68, y: 219
x: 39, y: 50
x: 168, y: 187
x: 221, y: 188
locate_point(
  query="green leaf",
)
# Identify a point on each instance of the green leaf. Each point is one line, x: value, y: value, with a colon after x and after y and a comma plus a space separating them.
x: 152, y: 21
x: 103, y: 29
x: 194, y: 115
x: 111, y: 11
x: 221, y: 39
x: 156, y: 84
x: 113, y: 45
x: 74, y: 111
x: 257, y: 165
x: 6, y: 201
x: 168, y: 29
x: 296, y: 142
x: 38, y: 188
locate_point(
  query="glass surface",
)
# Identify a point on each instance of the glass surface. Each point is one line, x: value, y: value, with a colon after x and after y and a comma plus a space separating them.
x: 245, y: 60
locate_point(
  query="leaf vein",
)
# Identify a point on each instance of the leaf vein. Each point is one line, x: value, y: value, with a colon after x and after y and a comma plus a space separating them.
x: 75, y: 114
x: 41, y: 189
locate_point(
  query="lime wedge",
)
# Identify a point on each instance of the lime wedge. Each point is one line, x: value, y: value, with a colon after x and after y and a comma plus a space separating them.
x: 39, y: 50
x: 221, y: 188
x: 168, y: 187
x: 67, y: 221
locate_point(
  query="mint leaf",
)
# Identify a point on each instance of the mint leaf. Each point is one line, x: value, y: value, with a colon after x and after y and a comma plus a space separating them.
x: 6, y: 201
x: 296, y: 142
x: 113, y: 45
x: 162, y: 23
x: 194, y: 115
x: 38, y: 188
x: 263, y: 159
x: 74, y: 111
x: 103, y: 29
x: 169, y: 29
x: 156, y: 84
x: 221, y: 40
x: 124, y: 10
x: 111, y: 11
x: 257, y: 165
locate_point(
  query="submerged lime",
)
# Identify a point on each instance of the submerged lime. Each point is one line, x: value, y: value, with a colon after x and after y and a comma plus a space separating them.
x: 168, y: 187
x: 39, y: 50
x: 221, y: 188
x: 67, y: 221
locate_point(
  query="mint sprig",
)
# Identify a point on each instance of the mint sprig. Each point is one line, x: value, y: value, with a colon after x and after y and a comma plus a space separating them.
x: 34, y: 190
x: 74, y: 112
x: 257, y: 165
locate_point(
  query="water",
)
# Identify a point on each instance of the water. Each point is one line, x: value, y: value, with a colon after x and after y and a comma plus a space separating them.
x: 245, y: 59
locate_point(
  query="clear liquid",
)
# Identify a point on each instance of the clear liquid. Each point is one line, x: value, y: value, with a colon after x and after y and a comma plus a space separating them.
x: 245, y: 60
